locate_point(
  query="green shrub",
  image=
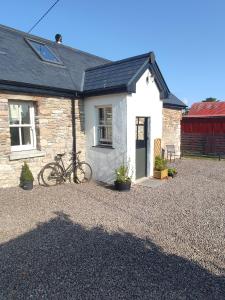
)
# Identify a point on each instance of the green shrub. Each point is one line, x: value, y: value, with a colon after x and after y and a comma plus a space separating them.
x: 172, y: 171
x: 122, y: 174
x: 160, y: 163
x: 26, y: 174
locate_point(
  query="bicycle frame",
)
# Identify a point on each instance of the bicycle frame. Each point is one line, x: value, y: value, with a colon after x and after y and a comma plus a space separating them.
x: 68, y: 170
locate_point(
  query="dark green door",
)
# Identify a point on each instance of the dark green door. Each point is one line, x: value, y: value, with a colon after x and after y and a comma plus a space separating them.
x: 141, y: 147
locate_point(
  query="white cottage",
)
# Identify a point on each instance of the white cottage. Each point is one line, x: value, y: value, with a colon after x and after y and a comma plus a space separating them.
x: 55, y: 99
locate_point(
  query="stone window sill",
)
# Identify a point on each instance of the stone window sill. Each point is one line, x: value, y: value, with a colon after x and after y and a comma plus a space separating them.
x: 26, y: 154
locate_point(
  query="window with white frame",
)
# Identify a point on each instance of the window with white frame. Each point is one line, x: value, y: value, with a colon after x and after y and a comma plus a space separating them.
x: 104, y: 126
x: 22, y: 125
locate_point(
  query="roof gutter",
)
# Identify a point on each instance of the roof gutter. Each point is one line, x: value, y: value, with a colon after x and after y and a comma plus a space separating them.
x: 13, y: 86
x: 174, y: 106
x: 104, y: 91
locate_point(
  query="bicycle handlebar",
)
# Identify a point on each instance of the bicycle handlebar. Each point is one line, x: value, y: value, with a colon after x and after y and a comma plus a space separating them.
x: 60, y: 155
x: 79, y: 152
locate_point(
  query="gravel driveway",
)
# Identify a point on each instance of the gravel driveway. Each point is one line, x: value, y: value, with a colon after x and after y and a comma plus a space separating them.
x: 90, y: 242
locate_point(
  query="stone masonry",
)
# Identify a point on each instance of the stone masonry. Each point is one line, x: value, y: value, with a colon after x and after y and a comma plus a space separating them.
x: 171, y: 128
x: 53, y: 122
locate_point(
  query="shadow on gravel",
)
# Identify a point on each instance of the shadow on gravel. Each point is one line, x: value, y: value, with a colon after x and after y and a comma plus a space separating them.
x: 63, y: 260
x: 106, y: 185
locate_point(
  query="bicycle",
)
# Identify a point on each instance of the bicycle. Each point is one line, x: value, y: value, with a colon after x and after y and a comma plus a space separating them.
x: 56, y: 173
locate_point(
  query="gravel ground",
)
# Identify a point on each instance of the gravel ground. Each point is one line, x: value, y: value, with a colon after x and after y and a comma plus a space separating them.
x: 90, y: 242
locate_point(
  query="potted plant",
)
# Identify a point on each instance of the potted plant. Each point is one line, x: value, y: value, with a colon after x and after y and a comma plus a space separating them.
x: 26, y: 178
x: 123, y: 180
x: 160, y: 170
x: 172, y: 172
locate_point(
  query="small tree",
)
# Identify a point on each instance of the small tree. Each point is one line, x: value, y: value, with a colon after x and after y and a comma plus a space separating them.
x: 210, y: 99
x: 26, y: 174
x: 185, y: 111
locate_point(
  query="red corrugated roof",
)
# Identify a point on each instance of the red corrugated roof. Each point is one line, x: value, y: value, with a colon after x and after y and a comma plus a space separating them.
x: 207, y: 109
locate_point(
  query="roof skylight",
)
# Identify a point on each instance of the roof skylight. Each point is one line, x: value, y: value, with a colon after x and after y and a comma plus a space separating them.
x: 44, y: 52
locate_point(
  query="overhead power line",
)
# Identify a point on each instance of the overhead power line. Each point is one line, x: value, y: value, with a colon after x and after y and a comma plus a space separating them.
x: 44, y: 15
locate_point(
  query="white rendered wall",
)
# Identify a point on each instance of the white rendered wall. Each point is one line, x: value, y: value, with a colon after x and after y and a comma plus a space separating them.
x: 104, y: 161
x: 125, y: 108
x: 144, y: 103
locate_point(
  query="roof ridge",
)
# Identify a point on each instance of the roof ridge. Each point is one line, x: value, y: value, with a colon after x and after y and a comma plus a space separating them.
x: 32, y: 36
x: 209, y: 102
x: 120, y: 61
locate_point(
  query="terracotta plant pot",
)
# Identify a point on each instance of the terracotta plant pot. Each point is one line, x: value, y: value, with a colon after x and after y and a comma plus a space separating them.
x: 27, y: 185
x: 161, y: 174
x: 122, y: 186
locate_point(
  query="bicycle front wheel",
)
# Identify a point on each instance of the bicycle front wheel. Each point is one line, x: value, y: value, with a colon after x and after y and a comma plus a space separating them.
x: 52, y: 174
x: 83, y: 172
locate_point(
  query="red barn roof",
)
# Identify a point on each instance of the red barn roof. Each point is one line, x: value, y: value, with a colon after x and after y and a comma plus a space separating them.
x: 207, y: 109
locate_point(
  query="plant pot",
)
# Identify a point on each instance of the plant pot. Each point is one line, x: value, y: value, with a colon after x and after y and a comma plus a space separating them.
x: 122, y: 186
x: 27, y: 185
x: 161, y: 174
x: 172, y: 174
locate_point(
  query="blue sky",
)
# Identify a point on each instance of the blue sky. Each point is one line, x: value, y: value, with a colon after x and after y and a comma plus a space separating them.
x: 187, y: 36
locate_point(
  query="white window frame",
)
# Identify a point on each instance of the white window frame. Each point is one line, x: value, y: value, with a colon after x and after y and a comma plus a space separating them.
x: 31, y: 126
x: 104, y: 142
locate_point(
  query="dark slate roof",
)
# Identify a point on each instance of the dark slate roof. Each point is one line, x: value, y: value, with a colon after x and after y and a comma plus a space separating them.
x: 19, y: 63
x: 172, y: 100
x: 124, y: 74
x: 81, y: 73
x: 113, y: 74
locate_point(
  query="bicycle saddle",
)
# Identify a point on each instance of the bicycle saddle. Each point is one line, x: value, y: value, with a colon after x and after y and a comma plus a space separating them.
x: 61, y: 154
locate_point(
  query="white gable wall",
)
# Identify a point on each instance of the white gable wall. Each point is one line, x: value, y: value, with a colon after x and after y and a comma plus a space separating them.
x: 144, y: 103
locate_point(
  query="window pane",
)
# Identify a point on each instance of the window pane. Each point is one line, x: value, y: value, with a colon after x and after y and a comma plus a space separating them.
x: 105, y: 135
x: 25, y: 133
x: 110, y: 134
x: 140, y: 132
x: 108, y: 113
x: 101, y: 116
x: 14, y: 114
x: 15, y: 139
x: 102, y: 133
x: 141, y: 121
x: 25, y: 113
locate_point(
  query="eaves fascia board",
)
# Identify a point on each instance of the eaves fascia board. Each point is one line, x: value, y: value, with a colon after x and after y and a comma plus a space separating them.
x: 131, y: 85
x: 105, y: 91
x: 160, y: 82
x: 167, y: 105
x: 160, y: 77
x: 37, y: 89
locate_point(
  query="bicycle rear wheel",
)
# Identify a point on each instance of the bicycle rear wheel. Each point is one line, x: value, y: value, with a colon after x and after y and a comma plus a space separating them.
x: 52, y: 174
x: 83, y: 173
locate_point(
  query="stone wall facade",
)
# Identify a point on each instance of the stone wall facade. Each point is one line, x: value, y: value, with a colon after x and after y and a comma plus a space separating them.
x: 53, y: 125
x: 171, y: 128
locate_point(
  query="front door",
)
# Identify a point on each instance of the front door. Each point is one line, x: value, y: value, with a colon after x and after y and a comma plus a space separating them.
x: 141, y: 147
